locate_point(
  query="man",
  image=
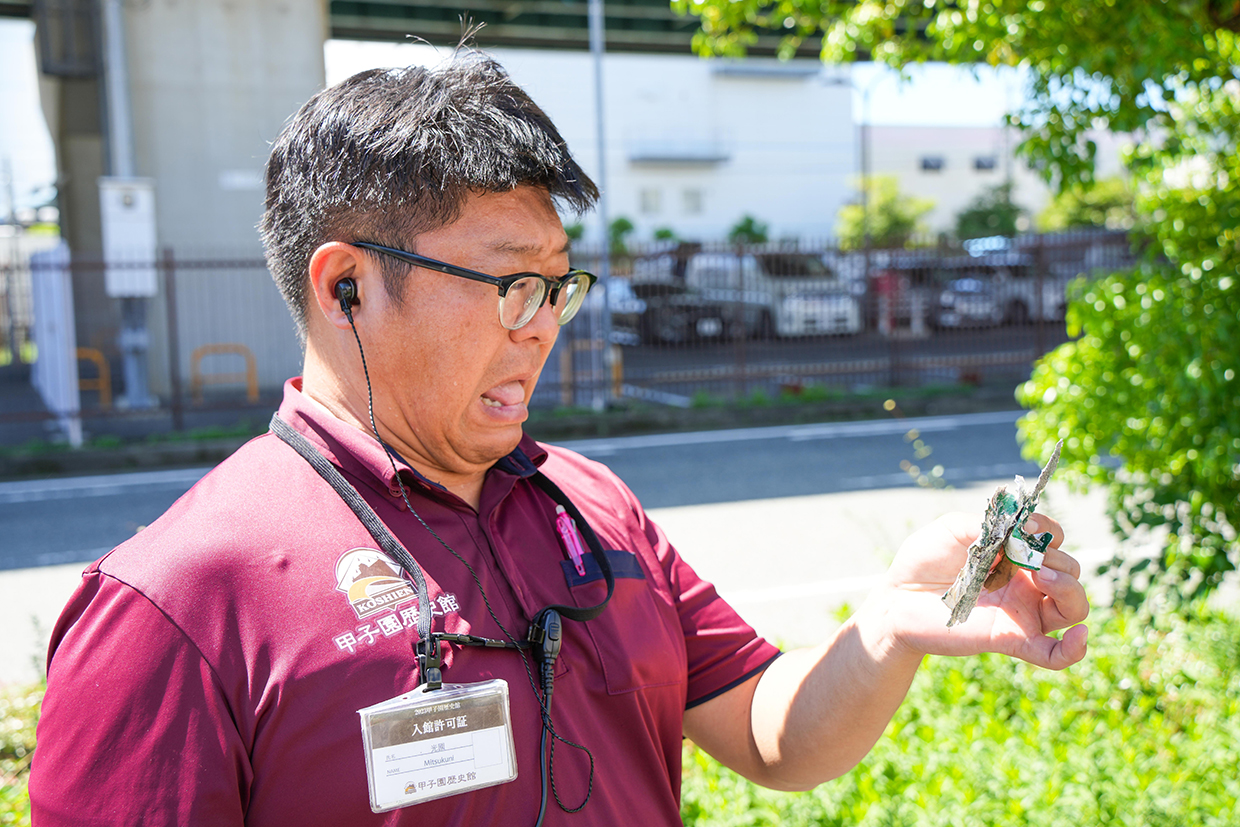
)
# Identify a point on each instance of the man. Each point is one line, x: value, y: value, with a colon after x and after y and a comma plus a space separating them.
x: 211, y: 669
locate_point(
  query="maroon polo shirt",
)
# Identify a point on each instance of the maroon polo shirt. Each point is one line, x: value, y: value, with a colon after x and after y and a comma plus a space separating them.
x: 209, y: 670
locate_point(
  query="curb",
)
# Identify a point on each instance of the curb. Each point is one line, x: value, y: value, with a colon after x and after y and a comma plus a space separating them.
x: 124, y: 458
x: 667, y: 420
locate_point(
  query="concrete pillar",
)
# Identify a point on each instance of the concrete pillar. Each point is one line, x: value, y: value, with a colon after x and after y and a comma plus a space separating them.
x: 211, y: 82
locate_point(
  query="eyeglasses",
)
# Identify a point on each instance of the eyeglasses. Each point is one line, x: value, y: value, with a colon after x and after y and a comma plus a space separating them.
x: 520, y: 295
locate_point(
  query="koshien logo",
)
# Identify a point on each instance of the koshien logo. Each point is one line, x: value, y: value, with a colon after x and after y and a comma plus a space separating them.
x: 371, y: 582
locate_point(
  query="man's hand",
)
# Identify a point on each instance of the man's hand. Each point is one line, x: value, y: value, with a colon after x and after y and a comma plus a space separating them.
x: 814, y: 713
x: 1016, y: 619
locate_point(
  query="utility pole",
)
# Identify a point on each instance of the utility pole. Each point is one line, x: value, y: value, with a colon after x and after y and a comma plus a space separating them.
x: 125, y: 200
x: 10, y: 264
x: 865, y: 176
x: 601, y: 358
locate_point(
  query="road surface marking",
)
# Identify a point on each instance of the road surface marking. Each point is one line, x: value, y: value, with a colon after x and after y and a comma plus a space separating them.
x: 104, y: 485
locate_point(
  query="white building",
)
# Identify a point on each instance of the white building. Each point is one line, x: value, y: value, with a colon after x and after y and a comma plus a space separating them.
x: 692, y: 145
x: 953, y: 165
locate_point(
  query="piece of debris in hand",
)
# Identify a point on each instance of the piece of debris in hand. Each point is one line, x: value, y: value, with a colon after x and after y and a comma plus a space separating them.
x: 1002, y: 529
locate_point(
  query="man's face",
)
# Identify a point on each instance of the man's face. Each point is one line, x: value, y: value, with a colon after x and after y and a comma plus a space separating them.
x: 451, y: 384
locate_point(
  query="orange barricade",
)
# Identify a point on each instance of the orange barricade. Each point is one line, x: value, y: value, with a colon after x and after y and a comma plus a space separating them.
x: 101, y: 383
x: 198, y: 378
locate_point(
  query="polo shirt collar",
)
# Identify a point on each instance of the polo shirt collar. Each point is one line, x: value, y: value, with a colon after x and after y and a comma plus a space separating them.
x: 360, y: 455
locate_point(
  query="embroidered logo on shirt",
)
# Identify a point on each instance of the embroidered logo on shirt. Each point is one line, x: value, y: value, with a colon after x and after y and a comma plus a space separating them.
x: 371, y: 582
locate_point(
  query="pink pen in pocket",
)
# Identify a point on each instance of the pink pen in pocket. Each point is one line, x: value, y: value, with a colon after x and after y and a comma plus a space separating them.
x: 572, y: 540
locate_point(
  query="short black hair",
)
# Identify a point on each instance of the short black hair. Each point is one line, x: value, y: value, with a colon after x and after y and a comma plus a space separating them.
x: 392, y: 153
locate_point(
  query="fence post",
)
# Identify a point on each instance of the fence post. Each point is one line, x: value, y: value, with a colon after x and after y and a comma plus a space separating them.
x: 168, y: 265
x: 567, y: 391
x: 738, y: 310
x: 1039, y: 332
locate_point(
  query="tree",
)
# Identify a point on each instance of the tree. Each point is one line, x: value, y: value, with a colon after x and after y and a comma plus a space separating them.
x: 991, y: 213
x: 748, y: 230
x: 894, y: 217
x: 1108, y: 204
x: 1146, y: 398
x: 617, y: 232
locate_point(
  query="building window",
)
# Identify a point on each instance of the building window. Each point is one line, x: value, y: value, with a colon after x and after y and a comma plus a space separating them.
x: 932, y: 163
x: 650, y: 201
x: 985, y: 163
x: 692, y: 202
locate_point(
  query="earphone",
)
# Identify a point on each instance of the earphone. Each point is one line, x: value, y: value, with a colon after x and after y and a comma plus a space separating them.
x: 346, y: 292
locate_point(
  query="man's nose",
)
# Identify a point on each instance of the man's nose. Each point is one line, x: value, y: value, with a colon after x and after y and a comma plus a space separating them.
x: 544, y: 326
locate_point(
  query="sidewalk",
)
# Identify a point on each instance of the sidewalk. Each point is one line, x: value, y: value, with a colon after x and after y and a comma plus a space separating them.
x: 787, y: 564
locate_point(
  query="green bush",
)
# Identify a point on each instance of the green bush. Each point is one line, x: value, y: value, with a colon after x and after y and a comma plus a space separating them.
x: 748, y: 230
x: 990, y: 213
x: 891, y: 218
x: 19, y: 709
x: 1144, y: 731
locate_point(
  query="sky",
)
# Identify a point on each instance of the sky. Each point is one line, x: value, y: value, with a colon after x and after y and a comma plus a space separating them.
x: 936, y: 95
x: 25, y: 145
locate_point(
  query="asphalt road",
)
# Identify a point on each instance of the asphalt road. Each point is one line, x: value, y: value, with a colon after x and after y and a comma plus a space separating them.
x: 71, y: 520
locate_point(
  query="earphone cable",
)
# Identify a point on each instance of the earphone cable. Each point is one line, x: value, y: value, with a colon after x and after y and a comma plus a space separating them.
x: 546, y: 757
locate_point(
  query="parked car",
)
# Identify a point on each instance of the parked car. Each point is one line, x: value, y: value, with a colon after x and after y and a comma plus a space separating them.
x: 810, y: 313
x: 966, y: 302
x: 788, y: 292
x: 626, y: 310
x: 1014, y: 280
x: 676, y: 313
x: 915, y: 283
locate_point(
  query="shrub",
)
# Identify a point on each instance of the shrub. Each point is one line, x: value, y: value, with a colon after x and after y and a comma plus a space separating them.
x: 748, y: 230
x: 19, y: 709
x: 1142, y: 732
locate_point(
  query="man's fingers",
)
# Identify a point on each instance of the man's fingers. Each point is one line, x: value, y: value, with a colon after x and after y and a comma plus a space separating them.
x: 1065, y: 603
x: 1050, y: 653
x: 1062, y: 561
x: 1039, y: 523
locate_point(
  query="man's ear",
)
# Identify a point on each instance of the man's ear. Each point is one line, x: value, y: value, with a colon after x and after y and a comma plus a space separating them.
x: 331, y: 264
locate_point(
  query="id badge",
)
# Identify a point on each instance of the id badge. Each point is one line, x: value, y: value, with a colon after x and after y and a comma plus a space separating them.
x: 426, y: 745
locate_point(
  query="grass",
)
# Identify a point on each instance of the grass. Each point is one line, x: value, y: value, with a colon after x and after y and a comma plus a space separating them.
x: 1145, y: 731
x: 244, y: 429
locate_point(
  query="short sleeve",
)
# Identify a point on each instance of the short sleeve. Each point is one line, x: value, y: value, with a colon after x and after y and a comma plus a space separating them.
x: 134, y: 728
x: 722, y: 649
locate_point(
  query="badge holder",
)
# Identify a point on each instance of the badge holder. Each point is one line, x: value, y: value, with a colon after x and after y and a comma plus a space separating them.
x: 425, y: 745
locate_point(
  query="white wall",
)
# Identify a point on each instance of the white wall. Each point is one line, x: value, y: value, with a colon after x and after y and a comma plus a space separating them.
x: 899, y: 150
x: 779, y: 139
x: 211, y: 83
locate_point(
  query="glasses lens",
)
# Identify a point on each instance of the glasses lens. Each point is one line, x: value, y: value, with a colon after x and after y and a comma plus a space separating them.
x: 522, y: 302
x: 572, y: 293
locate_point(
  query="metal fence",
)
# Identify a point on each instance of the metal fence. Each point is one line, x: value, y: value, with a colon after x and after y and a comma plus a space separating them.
x: 687, y: 323
x: 693, y: 322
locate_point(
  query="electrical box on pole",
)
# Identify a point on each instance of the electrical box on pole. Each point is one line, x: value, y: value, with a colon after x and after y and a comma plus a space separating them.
x: 127, y: 207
